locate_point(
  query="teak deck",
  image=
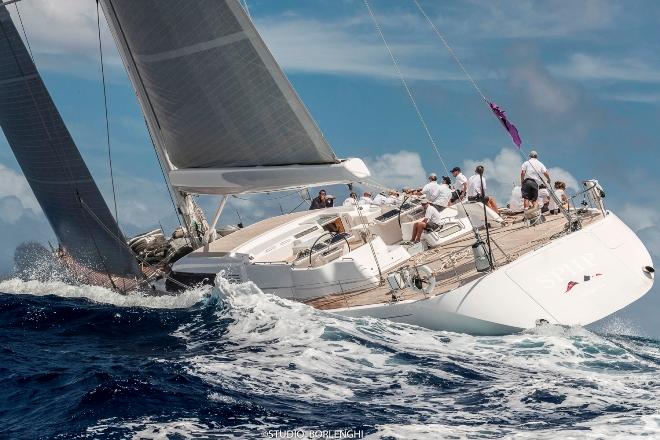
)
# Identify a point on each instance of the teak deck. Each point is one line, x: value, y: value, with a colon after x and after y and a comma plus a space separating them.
x: 453, y: 264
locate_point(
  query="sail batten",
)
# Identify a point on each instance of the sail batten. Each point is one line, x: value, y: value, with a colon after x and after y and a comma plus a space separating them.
x: 52, y: 164
x: 213, y: 91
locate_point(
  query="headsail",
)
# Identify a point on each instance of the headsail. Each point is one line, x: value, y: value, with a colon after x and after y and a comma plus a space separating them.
x: 52, y: 164
x: 212, y: 92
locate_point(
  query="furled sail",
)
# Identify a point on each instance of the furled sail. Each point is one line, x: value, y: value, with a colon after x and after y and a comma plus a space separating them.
x: 53, y: 166
x: 211, y: 87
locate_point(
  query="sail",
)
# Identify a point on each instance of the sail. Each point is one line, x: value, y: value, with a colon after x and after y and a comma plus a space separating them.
x: 52, y: 164
x: 210, y: 88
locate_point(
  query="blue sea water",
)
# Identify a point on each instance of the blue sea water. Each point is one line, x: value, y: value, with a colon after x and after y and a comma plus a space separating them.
x: 84, y: 362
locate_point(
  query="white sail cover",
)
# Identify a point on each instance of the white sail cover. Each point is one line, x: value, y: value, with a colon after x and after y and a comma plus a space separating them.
x: 213, y: 91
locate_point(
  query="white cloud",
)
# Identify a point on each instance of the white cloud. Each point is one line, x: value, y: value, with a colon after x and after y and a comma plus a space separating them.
x: 21, y: 217
x: 639, y: 217
x: 141, y: 203
x: 64, y: 36
x: 644, y: 220
x: 398, y: 170
x: 531, y: 19
x: 503, y: 172
x: 588, y: 67
x: 560, y: 174
x: 542, y: 91
x: 347, y: 47
x: 637, y: 97
x: 13, y: 184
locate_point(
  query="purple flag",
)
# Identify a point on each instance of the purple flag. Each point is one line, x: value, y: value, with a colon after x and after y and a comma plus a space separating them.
x: 513, y: 131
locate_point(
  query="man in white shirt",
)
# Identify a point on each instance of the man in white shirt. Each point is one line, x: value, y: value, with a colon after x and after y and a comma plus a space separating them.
x: 366, y: 199
x: 461, y: 184
x: 476, y: 191
x: 432, y: 189
x: 444, y: 197
x: 431, y: 220
x: 531, y: 176
x: 352, y: 200
x: 384, y: 198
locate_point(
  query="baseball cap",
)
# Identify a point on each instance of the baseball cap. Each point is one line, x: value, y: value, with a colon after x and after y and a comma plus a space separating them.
x: 453, y: 170
x: 533, y: 153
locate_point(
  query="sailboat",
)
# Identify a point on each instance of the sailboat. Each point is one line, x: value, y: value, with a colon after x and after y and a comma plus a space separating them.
x: 225, y: 120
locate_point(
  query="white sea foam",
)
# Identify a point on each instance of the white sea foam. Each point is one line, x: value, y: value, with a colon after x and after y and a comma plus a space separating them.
x: 452, y: 385
x: 286, y: 350
x: 149, y: 428
x: 609, y: 427
x: 102, y: 295
x: 618, y: 325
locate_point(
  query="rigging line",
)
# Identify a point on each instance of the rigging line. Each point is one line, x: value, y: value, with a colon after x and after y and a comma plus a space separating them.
x: 162, y: 171
x: 247, y: 10
x: 98, y: 250
x: 451, y: 51
x: 20, y: 19
x: 105, y: 106
x: 478, y: 89
x: 298, y: 206
x: 414, y: 103
x: 367, y: 237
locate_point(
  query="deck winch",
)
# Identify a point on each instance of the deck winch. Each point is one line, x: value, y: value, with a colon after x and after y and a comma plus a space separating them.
x: 481, y: 260
x: 419, y: 278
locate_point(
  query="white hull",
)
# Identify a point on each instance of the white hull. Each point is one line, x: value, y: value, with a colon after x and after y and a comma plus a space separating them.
x: 532, y: 288
x: 571, y: 279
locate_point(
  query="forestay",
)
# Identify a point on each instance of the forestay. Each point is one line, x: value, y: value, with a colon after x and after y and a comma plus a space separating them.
x: 210, y: 87
x: 52, y: 164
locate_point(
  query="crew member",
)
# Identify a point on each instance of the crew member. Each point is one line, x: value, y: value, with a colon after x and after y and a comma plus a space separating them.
x: 460, y: 185
x: 531, y: 176
x: 432, y: 189
x: 431, y: 220
x: 352, y: 200
x: 366, y: 199
x: 385, y: 198
x: 476, y: 191
x: 322, y: 201
x: 560, y: 193
x: 444, y: 194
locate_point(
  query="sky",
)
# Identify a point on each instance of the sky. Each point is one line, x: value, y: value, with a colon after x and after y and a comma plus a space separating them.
x: 579, y: 78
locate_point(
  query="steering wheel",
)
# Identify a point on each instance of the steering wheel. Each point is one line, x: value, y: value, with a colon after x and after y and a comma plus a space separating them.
x: 399, y: 214
x: 333, y: 234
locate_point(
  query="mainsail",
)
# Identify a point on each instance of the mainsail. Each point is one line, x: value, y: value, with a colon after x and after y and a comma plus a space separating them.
x: 53, y: 166
x: 212, y: 93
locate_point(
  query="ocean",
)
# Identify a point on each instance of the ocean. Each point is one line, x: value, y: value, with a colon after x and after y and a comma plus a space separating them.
x: 83, y: 362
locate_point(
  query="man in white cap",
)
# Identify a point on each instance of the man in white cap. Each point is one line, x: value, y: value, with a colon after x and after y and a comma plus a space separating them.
x: 461, y: 185
x: 352, y: 200
x: 431, y: 220
x: 366, y: 199
x: 531, y: 176
x: 432, y: 189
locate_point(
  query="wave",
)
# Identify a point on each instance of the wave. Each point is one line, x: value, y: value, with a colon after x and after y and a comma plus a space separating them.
x: 102, y: 295
x: 548, y: 378
x: 260, y: 362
